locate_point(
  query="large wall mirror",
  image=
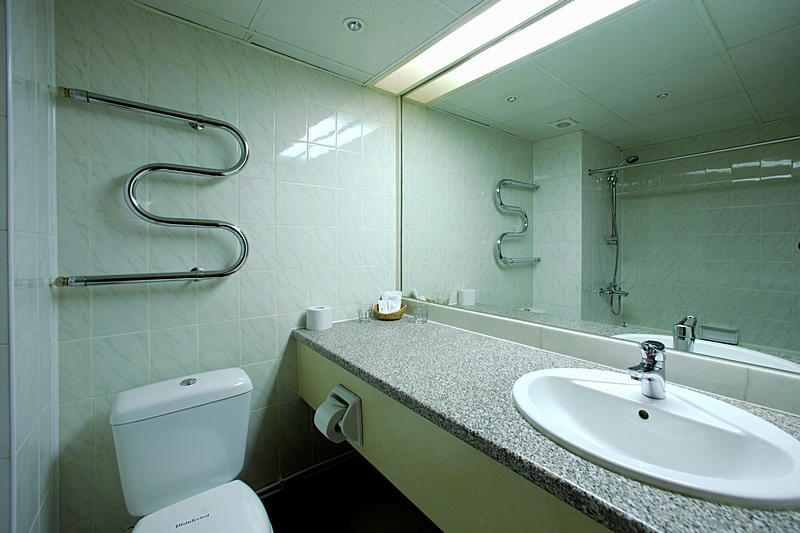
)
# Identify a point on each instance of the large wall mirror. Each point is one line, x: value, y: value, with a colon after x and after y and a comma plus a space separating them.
x: 632, y: 251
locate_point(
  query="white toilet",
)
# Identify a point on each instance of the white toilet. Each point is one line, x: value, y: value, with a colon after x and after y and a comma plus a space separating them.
x: 179, y: 445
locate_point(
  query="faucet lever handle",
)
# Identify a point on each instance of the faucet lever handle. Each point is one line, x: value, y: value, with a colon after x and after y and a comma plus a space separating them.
x: 653, y: 352
x: 686, y: 326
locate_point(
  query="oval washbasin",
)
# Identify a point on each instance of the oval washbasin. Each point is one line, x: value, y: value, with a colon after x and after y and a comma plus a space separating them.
x: 723, y: 351
x: 688, y: 443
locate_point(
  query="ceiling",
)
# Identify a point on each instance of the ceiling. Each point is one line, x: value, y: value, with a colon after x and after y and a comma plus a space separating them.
x: 726, y: 63
x: 312, y: 31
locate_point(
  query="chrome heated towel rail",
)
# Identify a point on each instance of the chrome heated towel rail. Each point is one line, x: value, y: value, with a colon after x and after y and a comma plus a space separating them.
x: 513, y: 209
x: 197, y: 122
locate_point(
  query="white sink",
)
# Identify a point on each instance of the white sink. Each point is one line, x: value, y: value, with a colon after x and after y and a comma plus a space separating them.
x: 723, y: 351
x: 688, y: 443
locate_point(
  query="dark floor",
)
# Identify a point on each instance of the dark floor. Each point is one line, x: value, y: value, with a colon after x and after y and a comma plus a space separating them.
x: 351, y: 496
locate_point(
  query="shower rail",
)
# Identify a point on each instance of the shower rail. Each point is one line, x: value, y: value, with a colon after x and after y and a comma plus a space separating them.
x: 198, y: 122
x: 513, y: 209
x: 698, y: 154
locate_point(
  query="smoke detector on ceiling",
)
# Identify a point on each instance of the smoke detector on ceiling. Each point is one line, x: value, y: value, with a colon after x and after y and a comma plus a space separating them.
x: 564, y: 123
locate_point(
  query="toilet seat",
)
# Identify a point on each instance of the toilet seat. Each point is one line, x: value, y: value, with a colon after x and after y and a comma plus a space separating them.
x: 229, y: 508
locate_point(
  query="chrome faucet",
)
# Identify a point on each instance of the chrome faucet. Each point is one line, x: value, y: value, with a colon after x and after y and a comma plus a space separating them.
x: 652, y: 371
x: 683, y: 334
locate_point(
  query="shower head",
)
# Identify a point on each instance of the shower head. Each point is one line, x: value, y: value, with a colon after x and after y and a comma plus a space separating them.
x: 631, y: 159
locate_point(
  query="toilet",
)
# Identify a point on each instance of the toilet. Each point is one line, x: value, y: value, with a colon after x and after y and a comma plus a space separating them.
x: 180, y: 443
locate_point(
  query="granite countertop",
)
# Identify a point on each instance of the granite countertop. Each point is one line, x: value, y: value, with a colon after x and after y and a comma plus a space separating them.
x: 461, y: 381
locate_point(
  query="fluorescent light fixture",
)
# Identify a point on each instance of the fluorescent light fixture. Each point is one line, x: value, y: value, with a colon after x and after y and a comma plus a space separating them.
x: 489, y: 25
x: 563, y: 22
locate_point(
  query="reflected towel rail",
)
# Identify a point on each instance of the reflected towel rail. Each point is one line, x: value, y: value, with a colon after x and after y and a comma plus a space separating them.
x: 198, y: 122
x: 513, y: 209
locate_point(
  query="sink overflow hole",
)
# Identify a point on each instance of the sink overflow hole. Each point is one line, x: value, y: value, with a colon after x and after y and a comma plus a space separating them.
x: 644, y: 415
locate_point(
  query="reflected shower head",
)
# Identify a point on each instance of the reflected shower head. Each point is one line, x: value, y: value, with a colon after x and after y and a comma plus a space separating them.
x: 631, y: 159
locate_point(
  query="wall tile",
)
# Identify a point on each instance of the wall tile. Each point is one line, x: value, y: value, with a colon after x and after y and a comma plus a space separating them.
x: 172, y: 86
x: 217, y: 55
x: 75, y: 370
x: 119, y: 309
x: 117, y: 72
x: 120, y: 24
x: 265, y: 383
x: 76, y: 431
x: 116, y: 338
x: 119, y: 363
x: 219, y: 345
x: 172, y: 41
x: 173, y: 353
x: 76, y: 493
x: 72, y: 16
x: 256, y: 67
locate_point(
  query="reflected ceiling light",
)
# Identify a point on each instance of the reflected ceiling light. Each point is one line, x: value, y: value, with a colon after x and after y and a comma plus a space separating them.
x: 561, y: 23
x: 502, y: 17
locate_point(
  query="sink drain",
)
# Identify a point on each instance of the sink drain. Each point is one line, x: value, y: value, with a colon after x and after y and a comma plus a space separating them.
x: 644, y: 415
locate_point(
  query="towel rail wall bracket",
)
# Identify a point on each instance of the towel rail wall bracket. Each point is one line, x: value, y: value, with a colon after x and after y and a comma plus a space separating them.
x: 513, y: 209
x: 198, y: 122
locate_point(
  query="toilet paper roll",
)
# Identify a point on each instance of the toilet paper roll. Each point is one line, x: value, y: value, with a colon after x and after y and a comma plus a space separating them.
x: 327, y: 419
x: 466, y: 296
x: 318, y: 317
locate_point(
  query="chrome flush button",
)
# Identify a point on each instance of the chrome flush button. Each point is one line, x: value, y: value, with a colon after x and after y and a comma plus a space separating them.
x: 188, y: 381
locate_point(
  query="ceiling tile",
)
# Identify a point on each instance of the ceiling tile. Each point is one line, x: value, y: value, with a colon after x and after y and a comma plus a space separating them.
x: 240, y: 12
x: 588, y: 114
x: 690, y: 83
x: 534, y: 89
x: 463, y: 113
x: 622, y: 135
x: 740, y: 21
x: 393, y: 29
x: 778, y: 100
x: 652, y: 37
x: 695, y: 119
x: 462, y: 6
x: 770, y: 59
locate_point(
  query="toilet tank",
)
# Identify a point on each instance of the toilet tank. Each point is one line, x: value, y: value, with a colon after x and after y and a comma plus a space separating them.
x: 180, y: 437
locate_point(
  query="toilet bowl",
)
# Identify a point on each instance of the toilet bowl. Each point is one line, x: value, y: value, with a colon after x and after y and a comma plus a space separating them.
x: 180, y: 443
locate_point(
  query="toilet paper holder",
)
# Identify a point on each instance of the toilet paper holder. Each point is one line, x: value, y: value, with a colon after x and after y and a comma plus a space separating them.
x: 340, y: 419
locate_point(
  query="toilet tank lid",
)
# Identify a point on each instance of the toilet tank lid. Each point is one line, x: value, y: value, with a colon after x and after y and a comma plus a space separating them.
x: 170, y: 396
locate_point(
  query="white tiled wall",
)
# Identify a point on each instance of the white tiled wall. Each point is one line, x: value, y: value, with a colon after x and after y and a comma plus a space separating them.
x: 30, y: 242
x: 557, y: 225
x: 717, y: 236
x: 450, y: 223
x: 316, y: 201
x: 598, y: 255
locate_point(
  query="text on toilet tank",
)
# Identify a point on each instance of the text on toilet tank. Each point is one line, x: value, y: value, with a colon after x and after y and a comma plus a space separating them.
x: 190, y: 521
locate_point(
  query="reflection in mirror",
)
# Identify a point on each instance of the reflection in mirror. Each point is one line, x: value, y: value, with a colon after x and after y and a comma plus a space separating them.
x: 714, y: 236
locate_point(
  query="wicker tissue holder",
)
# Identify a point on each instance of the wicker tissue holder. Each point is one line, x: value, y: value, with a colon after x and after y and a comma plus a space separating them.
x: 397, y: 315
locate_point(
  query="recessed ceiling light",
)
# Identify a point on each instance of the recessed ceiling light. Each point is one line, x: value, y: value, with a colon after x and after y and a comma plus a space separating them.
x: 353, y: 24
x: 558, y: 24
x: 663, y: 95
x: 511, y: 99
x: 487, y: 26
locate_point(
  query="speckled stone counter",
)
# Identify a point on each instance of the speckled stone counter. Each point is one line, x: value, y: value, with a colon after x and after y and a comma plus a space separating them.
x: 462, y: 381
